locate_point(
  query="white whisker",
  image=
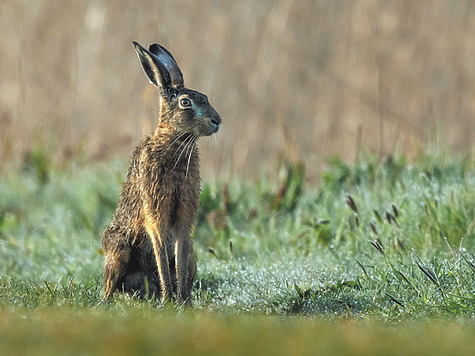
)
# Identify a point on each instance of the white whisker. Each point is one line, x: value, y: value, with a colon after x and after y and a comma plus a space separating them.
x: 181, y: 144
x: 189, y: 141
x: 170, y: 145
x: 189, y: 158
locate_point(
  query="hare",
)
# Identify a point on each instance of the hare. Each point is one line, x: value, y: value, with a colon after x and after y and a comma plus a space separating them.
x: 147, y: 246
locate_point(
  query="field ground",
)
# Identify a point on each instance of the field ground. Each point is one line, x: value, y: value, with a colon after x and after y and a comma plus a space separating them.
x: 145, y: 331
x: 378, y: 258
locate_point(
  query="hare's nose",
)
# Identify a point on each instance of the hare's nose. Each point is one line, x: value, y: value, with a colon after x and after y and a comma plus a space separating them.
x: 216, y: 121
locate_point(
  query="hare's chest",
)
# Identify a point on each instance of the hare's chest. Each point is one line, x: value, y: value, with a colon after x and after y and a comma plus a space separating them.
x: 182, y: 196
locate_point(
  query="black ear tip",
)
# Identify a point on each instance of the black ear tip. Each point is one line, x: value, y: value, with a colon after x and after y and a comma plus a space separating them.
x: 160, y: 50
x: 154, y: 47
x: 137, y: 46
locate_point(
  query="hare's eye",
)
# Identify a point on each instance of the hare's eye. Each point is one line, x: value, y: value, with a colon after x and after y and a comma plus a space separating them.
x: 185, y: 102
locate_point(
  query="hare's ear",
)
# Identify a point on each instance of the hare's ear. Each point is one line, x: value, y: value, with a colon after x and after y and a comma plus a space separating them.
x: 168, y: 61
x: 155, y: 70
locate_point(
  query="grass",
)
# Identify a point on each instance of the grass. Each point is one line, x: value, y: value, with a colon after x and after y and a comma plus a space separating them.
x: 381, y: 241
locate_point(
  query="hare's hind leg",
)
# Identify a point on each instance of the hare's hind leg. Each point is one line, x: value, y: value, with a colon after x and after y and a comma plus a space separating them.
x: 114, y: 269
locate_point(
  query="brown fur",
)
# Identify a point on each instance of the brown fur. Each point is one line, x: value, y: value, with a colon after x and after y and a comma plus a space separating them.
x: 147, y: 246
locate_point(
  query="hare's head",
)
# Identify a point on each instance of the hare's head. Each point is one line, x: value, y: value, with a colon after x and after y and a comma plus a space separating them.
x: 181, y: 109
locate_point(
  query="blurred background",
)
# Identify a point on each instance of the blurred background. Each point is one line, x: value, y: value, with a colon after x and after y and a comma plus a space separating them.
x: 292, y: 79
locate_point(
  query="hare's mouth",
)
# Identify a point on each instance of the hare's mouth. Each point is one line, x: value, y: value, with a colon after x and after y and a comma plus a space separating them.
x: 212, y: 126
x: 215, y: 127
x: 211, y: 129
